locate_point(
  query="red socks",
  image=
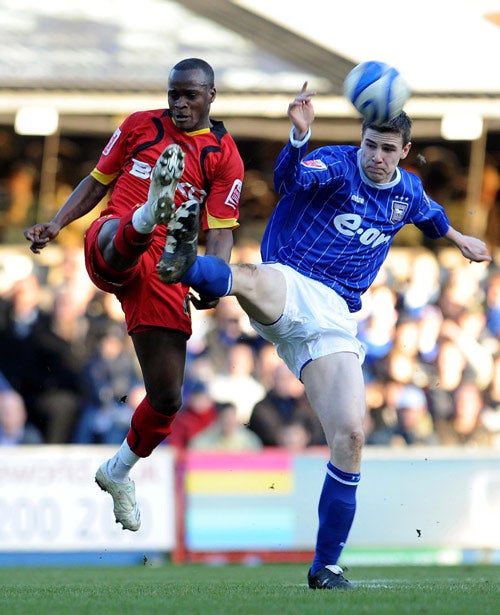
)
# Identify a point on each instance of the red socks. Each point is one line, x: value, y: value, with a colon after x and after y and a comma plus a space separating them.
x: 148, y: 429
x: 129, y: 242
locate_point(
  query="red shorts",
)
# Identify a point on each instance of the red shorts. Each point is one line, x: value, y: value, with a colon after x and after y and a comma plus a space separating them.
x: 147, y: 302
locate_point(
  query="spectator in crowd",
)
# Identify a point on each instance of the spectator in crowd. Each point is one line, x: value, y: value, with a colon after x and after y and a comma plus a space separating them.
x: 492, y: 303
x: 230, y: 325
x: 406, y: 334
x: 430, y: 323
x: 423, y: 285
x: 406, y: 346
x: 108, y: 376
x: 466, y: 333
x: 266, y: 361
x: 402, y: 368
x: 414, y: 422
x: 294, y: 436
x: 72, y: 293
x: 404, y: 376
x: 460, y: 291
x: 14, y: 426
x: 465, y: 427
x: 69, y: 321
x: 284, y: 403
x: 226, y: 433
x: 246, y: 250
x: 38, y: 363
x: 491, y: 413
x: 237, y: 383
x: 381, y: 418
x: 376, y: 333
x: 468, y: 342
x: 449, y: 369
x: 198, y: 370
x: 197, y: 413
x: 103, y: 310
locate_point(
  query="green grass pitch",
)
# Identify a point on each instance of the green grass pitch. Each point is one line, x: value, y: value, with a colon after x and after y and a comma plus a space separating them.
x: 268, y: 589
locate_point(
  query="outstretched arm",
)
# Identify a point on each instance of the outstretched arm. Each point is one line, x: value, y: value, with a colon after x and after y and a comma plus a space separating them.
x: 301, y: 112
x: 472, y: 248
x: 83, y: 199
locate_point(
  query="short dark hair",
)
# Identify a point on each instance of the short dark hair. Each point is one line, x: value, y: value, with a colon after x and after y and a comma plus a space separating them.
x: 400, y: 124
x: 197, y: 64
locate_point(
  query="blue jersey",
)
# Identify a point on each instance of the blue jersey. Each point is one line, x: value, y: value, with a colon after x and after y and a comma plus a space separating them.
x: 335, y: 225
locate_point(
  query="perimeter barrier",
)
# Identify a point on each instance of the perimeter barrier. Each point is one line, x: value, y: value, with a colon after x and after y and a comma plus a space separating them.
x: 419, y: 505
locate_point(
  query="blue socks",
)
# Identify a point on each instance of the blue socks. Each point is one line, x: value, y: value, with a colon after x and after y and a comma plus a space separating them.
x: 210, y: 276
x: 336, y: 509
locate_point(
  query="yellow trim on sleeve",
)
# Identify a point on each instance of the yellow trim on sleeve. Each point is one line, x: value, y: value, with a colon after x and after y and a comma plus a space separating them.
x: 102, y: 178
x: 221, y: 223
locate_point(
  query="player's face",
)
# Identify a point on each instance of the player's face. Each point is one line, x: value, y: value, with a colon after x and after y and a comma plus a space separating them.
x: 381, y: 153
x: 189, y: 99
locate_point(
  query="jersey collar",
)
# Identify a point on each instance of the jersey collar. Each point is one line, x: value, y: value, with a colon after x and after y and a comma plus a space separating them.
x: 201, y: 131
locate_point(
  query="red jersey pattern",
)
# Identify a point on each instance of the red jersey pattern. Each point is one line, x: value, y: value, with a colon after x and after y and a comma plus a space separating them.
x: 213, y: 171
x: 212, y: 175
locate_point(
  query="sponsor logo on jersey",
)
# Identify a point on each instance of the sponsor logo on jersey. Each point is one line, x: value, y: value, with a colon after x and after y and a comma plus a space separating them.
x: 143, y: 170
x: 357, y: 199
x: 398, y: 211
x: 349, y: 225
x: 233, y: 198
x: 314, y: 164
x: 114, y: 138
x: 189, y: 191
x: 140, y: 169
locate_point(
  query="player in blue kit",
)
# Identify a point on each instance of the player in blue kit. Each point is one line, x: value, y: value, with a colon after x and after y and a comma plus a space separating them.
x: 326, y: 240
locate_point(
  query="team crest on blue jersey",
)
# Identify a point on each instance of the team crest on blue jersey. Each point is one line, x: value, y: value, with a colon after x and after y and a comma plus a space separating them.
x: 314, y: 164
x: 398, y: 211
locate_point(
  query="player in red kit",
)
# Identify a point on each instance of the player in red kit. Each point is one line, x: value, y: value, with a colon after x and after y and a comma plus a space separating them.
x: 154, y: 161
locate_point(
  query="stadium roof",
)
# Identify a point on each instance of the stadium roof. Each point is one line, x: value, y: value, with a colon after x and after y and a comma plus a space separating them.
x: 105, y: 58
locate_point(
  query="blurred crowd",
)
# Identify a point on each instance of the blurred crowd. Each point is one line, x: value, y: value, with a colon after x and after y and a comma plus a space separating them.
x: 430, y: 325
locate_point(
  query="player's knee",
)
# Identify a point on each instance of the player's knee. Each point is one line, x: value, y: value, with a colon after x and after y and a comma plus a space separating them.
x: 350, y: 442
x: 357, y: 440
x: 107, y: 233
x: 259, y: 284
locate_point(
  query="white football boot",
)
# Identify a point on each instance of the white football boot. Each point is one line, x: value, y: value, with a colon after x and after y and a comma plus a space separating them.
x: 124, y: 505
x: 166, y: 174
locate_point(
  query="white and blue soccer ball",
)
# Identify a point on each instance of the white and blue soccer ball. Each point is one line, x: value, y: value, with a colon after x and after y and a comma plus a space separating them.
x: 377, y: 90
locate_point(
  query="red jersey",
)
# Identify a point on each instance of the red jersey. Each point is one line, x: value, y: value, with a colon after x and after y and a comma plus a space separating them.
x: 212, y: 175
x: 213, y: 172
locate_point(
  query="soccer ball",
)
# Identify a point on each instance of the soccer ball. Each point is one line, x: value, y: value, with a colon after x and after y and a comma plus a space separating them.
x: 376, y: 90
